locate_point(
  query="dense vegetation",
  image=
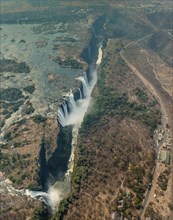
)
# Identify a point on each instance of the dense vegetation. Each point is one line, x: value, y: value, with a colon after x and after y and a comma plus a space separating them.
x: 30, y: 89
x: 13, y: 161
x: 68, y: 63
x: 39, y: 118
x: 11, y: 94
x: 40, y: 213
x: 10, y: 101
x: 13, y: 66
x: 163, y: 179
x: 111, y: 102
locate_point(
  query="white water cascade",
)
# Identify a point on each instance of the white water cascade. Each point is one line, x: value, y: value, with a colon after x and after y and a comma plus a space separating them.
x: 78, y: 109
x: 80, y: 93
x: 76, y: 115
x: 72, y: 113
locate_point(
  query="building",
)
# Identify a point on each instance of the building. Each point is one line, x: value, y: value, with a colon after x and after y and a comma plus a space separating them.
x: 165, y: 156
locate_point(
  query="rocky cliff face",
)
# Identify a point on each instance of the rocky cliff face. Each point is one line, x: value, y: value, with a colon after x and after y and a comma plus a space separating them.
x: 43, y: 173
x: 33, y: 145
x: 57, y: 163
x: 90, y: 51
x: 114, y: 144
x: 31, y: 93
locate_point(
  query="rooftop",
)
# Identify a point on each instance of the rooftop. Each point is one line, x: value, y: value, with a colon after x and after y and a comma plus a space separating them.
x: 165, y: 156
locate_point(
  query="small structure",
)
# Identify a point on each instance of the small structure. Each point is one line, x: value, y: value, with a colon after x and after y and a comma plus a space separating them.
x: 160, y: 136
x: 165, y: 156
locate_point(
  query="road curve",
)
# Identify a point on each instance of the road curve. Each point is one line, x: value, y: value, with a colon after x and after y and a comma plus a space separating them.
x: 166, y: 103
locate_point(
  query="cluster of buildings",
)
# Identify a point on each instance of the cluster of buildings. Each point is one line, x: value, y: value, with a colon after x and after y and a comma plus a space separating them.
x: 165, y: 153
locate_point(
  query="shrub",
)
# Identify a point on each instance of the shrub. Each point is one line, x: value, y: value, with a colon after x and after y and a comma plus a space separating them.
x: 28, y: 108
x: 30, y: 89
x: 39, y: 118
x: 8, y: 136
x: 40, y: 213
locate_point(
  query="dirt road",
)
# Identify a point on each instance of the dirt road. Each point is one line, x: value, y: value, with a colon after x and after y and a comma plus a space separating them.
x: 156, y: 89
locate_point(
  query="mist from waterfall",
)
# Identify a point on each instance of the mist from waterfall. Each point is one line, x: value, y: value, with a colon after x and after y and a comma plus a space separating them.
x: 71, y: 112
x: 78, y: 109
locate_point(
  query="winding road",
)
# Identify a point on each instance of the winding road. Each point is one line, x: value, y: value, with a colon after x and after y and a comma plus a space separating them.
x: 156, y: 89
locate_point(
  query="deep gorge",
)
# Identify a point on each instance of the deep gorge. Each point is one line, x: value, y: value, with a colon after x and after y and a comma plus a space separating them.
x: 54, y: 172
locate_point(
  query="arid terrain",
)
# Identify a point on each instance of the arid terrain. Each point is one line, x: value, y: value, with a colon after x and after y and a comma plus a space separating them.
x: 159, y: 198
x: 116, y: 149
x: 100, y: 190
x: 120, y: 168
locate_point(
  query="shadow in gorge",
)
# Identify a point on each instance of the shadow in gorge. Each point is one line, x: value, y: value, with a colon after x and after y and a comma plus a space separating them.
x: 43, y: 173
x: 57, y: 165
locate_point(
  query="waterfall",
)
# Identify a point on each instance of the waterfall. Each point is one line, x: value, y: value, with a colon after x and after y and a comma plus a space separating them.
x: 78, y: 108
x: 80, y: 93
x: 71, y: 112
x: 85, y: 78
x: 61, y: 117
x: 85, y: 86
x: 65, y: 110
x: 72, y: 102
x: 43, y: 195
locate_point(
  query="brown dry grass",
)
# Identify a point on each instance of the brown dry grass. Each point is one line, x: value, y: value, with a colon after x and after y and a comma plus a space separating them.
x: 160, y: 75
x: 112, y: 144
x: 29, y: 136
